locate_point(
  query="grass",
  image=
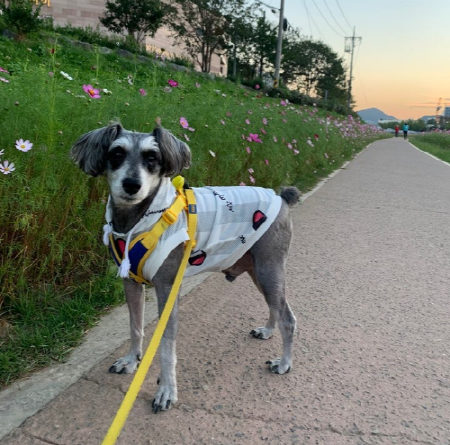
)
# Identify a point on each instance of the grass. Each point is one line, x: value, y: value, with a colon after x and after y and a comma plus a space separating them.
x: 54, y: 270
x: 437, y: 144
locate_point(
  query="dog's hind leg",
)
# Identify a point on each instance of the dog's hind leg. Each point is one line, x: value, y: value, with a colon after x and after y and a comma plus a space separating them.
x: 134, y: 294
x: 163, y: 281
x: 268, y: 273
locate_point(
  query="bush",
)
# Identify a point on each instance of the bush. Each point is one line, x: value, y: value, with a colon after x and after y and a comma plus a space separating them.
x: 21, y: 16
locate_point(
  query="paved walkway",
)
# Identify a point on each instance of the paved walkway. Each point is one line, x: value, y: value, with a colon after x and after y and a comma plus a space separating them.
x: 369, y: 281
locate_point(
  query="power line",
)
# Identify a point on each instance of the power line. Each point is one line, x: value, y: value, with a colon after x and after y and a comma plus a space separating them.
x: 314, y: 23
x: 334, y: 18
x: 328, y: 23
x: 309, y: 20
x: 343, y: 15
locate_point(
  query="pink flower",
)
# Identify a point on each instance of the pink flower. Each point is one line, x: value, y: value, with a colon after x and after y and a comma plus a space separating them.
x: 252, y: 179
x: 250, y: 170
x: 266, y: 161
x: 4, y: 80
x: 289, y: 146
x: 316, y: 136
x: 296, y: 152
x: 24, y: 145
x: 247, y: 121
x: 142, y: 92
x: 172, y: 83
x: 263, y: 131
x: 294, y: 141
x: 93, y: 92
x: 183, y: 122
x: 6, y: 168
x: 229, y: 114
x: 253, y: 138
x: 283, y: 103
x: 191, y: 129
x: 248, y: 150
x: 242, y: 184
x: 2, y: 70
x: 197, y: 85
x: 264, y: 121
x: 257, y: 87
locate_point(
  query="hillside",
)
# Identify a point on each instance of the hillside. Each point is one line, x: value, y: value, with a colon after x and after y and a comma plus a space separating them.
x: 55, y: 272
x: 373, y: 115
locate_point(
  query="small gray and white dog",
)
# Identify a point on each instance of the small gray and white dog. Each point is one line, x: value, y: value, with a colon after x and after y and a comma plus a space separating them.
x: 136, y: 166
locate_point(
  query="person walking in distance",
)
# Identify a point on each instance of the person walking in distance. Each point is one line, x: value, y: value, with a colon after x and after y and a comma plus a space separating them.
x: 397, y: 129
x: 405, y: 131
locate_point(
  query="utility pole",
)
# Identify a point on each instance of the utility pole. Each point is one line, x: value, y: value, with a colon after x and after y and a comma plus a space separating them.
x: 276, y: 81
x: 351, y: 49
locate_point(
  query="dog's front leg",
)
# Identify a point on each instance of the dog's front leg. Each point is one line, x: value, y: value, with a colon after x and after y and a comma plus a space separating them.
x: 163, y: 281
x: 134, y: 294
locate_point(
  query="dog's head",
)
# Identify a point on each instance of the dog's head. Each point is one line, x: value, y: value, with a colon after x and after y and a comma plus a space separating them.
x: 134, y: 162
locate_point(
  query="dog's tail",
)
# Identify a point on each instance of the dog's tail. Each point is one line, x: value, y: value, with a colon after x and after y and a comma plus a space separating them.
x: 291, y: 195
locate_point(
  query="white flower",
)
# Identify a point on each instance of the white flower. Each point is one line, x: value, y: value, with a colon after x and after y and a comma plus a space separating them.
x: 1, y: 152
x: 6, y: 168
x: 212, y: 153
x: 66, y: 76
x: 24, y: 145
x: 106, y: 91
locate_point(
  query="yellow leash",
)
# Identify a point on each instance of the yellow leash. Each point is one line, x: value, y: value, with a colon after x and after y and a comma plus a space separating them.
x: 138, y: 380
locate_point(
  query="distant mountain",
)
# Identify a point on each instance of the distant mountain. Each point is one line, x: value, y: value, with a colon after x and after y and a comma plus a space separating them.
x: 373, y: 115
x: 425, y: 118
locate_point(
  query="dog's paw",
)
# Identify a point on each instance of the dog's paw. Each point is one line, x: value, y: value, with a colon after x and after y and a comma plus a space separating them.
x: 164, y: 398
x: 262, y: 333
x: 125, y: 365
x: 278, y: 367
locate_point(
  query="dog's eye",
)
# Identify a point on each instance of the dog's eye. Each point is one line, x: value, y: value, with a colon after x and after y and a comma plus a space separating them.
x: 117, y: 156
x: 150, y: 157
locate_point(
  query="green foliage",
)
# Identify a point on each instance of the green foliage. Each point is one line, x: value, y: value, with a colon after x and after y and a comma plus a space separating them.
x: 313, y: 67
x: 138, y: 18
x: 435, y: 143
x: 203, y: 25
x: 21, y: 16
x: 51, y: 214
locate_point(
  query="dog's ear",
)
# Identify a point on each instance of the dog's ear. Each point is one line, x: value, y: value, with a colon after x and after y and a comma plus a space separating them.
x: 175, y: 154
x: 89, y: 152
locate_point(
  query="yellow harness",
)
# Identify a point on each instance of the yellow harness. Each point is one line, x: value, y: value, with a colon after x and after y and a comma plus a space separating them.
x: 144, y: 244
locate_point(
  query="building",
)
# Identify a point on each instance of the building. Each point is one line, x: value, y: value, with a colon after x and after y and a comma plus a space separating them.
x: 87, y: 12
x: 447, y: 112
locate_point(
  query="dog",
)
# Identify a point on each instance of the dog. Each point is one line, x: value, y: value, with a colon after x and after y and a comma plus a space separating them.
x: 138, y: 168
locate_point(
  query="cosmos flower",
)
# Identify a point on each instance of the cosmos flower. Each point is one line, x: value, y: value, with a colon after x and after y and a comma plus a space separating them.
x: 93, y: 92
x: 24, y: 145
x: 142, y: 92
x: 183, y: 122
x: 6, y: 168
x: 172, y: 83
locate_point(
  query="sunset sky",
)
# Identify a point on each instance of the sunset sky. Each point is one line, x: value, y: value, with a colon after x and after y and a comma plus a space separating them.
x: 403, y: 61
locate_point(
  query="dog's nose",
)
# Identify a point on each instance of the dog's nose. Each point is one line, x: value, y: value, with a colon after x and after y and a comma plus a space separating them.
x: 131, y: 186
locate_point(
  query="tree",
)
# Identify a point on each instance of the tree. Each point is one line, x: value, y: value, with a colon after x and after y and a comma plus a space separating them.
x: 264, y: 42
x: 313, y: 67
x: 21, y: 16
x: 138, y: 18
x: 203, y: 27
